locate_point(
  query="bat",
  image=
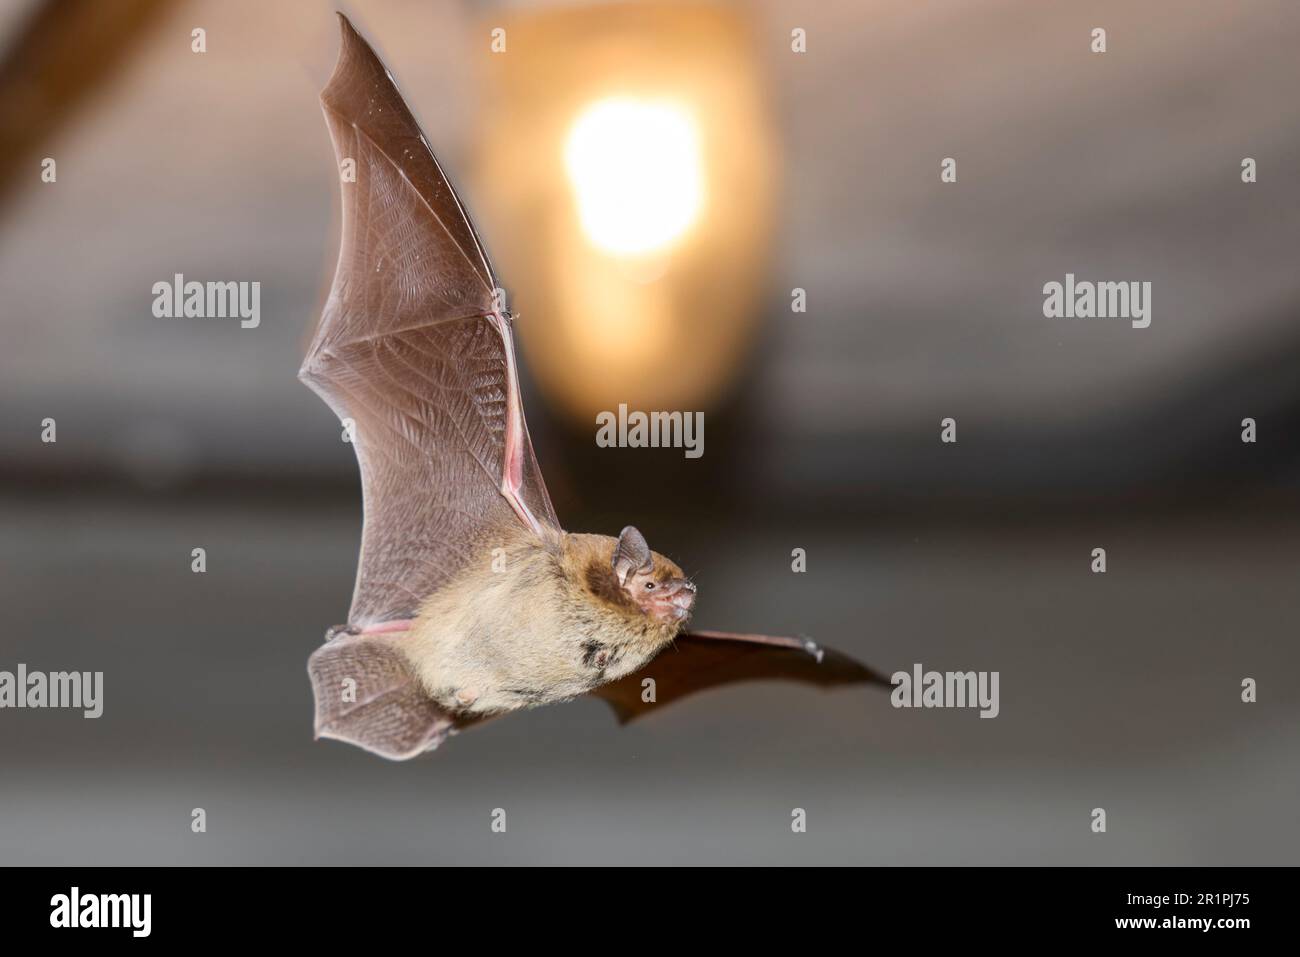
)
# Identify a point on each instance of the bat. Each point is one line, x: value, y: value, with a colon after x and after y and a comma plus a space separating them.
x: 470, y: 600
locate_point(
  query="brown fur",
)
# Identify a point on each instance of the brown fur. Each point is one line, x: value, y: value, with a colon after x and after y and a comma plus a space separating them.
x: 549, y: 622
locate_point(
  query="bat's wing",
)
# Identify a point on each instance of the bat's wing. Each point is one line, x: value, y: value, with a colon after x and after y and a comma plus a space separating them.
x: 708, y: 659
x: 366, y: 695
x: 414, y: 347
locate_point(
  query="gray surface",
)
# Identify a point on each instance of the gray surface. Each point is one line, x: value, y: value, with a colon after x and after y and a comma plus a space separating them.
x: 925, y: 299
x: 1118, y: 691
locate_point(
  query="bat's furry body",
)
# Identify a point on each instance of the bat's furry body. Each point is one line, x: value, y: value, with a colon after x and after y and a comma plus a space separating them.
x: 474, y: 651
x: 470, y: 598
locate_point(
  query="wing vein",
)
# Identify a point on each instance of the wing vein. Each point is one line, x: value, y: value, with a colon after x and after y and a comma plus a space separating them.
x: 434, y: 213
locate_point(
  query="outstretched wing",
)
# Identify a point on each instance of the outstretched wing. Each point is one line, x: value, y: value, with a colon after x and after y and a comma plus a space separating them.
x: 414, y: 349
x: 709, y: 659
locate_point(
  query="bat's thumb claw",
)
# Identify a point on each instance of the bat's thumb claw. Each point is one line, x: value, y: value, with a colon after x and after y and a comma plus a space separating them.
x: 340, y: 630
x: 813, y: 649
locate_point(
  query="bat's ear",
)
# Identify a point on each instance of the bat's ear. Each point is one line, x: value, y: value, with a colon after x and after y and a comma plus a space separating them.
x: 631, y: 554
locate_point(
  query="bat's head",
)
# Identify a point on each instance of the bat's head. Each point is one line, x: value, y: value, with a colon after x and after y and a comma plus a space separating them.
x: 650, y: 581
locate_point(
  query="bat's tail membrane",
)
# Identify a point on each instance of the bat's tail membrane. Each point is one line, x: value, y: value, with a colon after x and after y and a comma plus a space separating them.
x: 367, y: 695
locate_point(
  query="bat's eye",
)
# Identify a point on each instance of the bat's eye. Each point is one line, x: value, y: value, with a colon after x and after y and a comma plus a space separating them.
x: 649, y: 586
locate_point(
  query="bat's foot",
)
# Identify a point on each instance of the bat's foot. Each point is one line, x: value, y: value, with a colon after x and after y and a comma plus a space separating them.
x: 465, y: 698
x: 338, y: 631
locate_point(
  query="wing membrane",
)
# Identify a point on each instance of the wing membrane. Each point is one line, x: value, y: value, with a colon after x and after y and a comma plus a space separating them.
x: 412, y: 348
x: 700, y: 660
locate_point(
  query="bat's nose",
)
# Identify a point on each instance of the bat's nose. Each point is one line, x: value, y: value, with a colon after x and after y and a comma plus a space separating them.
x: 684, y: 595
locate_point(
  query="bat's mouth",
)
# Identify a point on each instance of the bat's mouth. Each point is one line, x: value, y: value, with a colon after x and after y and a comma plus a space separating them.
x: 679, y: 599
x: 669, y: 602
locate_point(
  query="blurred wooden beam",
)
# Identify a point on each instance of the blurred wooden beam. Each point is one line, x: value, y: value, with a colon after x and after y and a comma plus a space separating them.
x: 63, y: 52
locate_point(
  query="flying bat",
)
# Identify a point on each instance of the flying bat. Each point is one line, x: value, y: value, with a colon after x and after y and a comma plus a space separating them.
x: 471, y: 601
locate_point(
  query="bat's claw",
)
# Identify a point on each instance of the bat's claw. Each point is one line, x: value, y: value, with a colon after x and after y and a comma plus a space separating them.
x: 339, y: 631
x: 812, y: 648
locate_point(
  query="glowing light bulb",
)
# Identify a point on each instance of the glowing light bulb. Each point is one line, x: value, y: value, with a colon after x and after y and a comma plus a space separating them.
x: 636, y: 173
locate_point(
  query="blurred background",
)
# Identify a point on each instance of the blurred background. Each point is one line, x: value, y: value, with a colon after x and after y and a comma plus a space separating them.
x: 653, y: 181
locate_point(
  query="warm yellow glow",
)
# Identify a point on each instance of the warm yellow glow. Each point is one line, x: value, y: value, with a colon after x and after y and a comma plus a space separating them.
x: 636, y: 173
